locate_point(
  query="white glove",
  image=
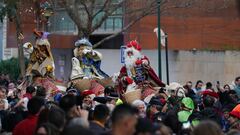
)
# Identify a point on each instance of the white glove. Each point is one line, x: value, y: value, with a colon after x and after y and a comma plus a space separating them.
x: 85, y: 51
x: 145, y: 62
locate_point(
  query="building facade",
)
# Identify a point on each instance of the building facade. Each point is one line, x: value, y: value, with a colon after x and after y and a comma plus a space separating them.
x: 189, y: 29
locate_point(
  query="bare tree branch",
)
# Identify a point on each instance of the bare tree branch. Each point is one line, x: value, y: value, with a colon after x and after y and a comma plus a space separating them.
x: 133, y: 10
x: 107, y: 2
x: 71, y: 9
x: 125, y: 28
x: 108, y: 11
x: 85, y: 7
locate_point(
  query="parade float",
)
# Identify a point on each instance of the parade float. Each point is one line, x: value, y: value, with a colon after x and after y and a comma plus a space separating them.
x: 86, y: 71
x: 137, y: 79
x: 40, y: 69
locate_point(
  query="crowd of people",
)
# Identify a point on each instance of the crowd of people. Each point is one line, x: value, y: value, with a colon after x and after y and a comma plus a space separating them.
x: 201, y: 110
x: 133, y: 102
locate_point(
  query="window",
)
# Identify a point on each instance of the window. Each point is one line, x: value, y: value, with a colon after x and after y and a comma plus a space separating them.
x: 109, y: 23
x: 112, y: 24
x: 61, y: 22
x: 118, y: 23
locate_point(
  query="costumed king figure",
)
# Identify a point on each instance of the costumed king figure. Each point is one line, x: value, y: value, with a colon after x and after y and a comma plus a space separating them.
x: 137, y: 72
x: 40, y: 69
x: 86, y: 66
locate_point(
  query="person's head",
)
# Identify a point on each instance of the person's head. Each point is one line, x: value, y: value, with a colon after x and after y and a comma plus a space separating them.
x: 234, y: 116
x: 171, y: 120
x: 72, y: 91
x: 163, y: 130
x: 101, y: 113
x: 11, y: 86
x: 35, y: 105
x: 88, y: 97
x: 67, y: 102
x: 208, y: 101
x: 232, y: 119
x: 76, y: 130
x: 56, y: 116
x: 3, y: 92
x: 144, y: 127
x: 80, y: 46
x: 124, y: 119
x: 41, y: 92
x: 233, y: 132
x: 237, y: 81
x: 132, y: 53
x: 226, y: 87
x: 187, y: 104
x: 199, y: 84
x: 226, y: 112
x: 43, y: 48
x: 155, y: 106
x: 140, y: 105
x: 207, y: 128
x: 108, y: 90
x: 31, y: 90
x: 189, y: 84
x: 208, y: 85
x: 47, y: 129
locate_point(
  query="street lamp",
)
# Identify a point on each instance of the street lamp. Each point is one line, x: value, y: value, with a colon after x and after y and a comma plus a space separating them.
x: 47, y: 13
x: 159, y: 42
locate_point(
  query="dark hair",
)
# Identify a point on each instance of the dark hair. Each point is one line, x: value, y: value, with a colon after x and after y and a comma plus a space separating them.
x: 208, y: 85
x: 121, y: 111
x: 30, y: 89
x: 199, y: 81
x: 56, y: 116
x: 4, y: 89
x: 189, y: 82
x: 207, y: 128
x: 41, y: 92
x: 101, y: 112
x: 43, y: 116
x: 144, y: 126
x: 50, y: 129
x: 76, y: 130
x: 108, y: 90
x: 226, y: 85
x: 208, y: 101
x: 171, y: 120
x: 237, y: 78
x: 67, y: 102
x: 34, y: 105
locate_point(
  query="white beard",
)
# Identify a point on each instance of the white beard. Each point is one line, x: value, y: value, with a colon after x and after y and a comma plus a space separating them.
x: 130, y: 60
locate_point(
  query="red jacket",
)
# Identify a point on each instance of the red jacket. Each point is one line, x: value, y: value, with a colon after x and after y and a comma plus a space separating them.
x: 27, y: 126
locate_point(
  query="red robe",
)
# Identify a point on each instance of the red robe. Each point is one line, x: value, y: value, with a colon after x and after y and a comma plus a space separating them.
x: 150, y: 73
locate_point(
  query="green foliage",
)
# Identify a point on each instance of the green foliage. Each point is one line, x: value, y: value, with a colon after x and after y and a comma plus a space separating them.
x: 10, y: 67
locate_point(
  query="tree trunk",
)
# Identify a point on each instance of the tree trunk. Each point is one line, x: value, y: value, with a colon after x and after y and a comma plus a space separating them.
x: 20, y: 44
x: 83, y: 33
